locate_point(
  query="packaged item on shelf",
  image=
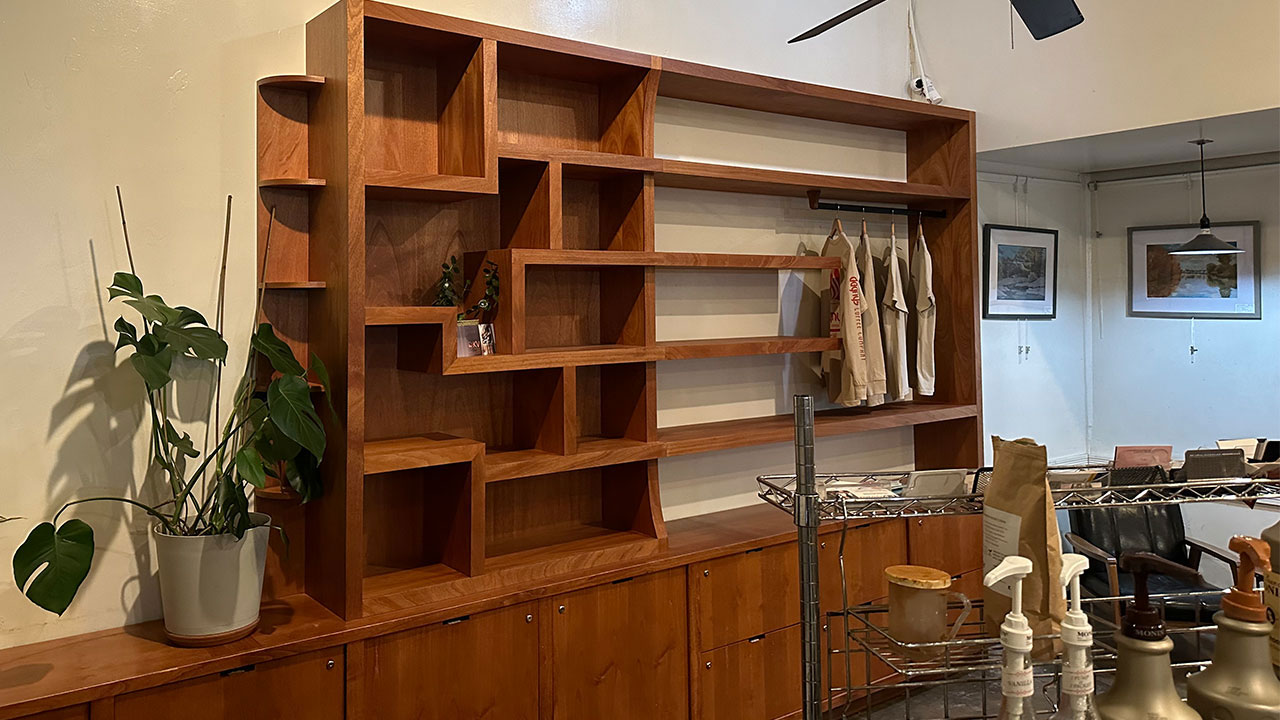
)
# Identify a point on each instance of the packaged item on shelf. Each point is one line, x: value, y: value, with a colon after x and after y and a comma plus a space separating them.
x: 1215, y: 464
x: 1128, y: 456
x: 868, y: 488
x: 1143, y: 688
x: 926, y: 309
x: 1018, y: 519
x: 1017, y: 679
x: 1076, y: 699
x: 937, y: 483
x: 1240, y: 684
x: 1271, y: 593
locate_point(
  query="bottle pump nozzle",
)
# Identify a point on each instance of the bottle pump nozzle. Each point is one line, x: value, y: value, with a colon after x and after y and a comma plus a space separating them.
x: 1073, y: 566
x: 1015, y: 626
x: 1242, y: 602
x: 1141, y: 621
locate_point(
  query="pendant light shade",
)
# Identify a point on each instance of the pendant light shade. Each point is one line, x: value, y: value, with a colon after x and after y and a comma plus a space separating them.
x: 1205, y: 243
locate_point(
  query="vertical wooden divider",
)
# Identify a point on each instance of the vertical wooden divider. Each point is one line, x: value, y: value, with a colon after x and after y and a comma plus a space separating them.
x: 335, y: 522
x: 555, y: 196
x: 541, y: 409
x: 572, y: 423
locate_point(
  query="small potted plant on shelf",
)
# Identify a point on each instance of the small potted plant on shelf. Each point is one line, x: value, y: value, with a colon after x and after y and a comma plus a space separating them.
x: 475, y: 326
x: 210, y: 547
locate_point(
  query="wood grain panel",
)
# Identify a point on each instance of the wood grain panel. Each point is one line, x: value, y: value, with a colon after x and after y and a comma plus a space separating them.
x: 282, y: 133
x: 746, y: 594
x: 868, y: 551
x: 304, y: 687
x: 642, y: 670
x: 953, y: 544
x: 463, y: 141
x: 483, y: 667
x: 759, y: 181
x: 731, y: 347
x: 290, y: 234
x: 406, y: 242
x: 756, y: 679
x: 77, y: 712
x: 420, y: 517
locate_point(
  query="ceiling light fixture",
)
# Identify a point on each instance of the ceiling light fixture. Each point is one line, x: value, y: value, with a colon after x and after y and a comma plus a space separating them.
x: 1205, y: 243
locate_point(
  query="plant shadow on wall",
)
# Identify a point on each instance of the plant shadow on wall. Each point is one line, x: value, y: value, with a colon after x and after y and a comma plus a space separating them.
x: 186, y: 492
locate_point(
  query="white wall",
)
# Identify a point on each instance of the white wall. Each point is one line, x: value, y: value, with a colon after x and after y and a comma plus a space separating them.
x: 159, y: 98
x: 1041, y: 394
x: 1132, y: 63
x: 1146, y: 388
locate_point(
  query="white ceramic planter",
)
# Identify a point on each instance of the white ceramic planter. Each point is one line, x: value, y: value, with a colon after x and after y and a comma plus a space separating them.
x: 211, y: 587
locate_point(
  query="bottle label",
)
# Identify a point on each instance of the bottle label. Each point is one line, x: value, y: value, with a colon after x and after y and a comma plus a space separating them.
x: 1272, y: 596
x: 1018, y: 683
x: 1077, y: 681
x: 1082, y: 637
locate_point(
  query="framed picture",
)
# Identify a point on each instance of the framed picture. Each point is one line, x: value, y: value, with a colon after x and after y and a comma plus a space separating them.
x: 1194, y: 286
x: 1020, y: 273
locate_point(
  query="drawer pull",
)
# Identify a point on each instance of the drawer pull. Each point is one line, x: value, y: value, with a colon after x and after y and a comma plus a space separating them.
x: 528, y: 618
x: 560, y: 609
x: 755, y: 639
x: 455, y: 621
x: 330, y: 665
x: 623, y: 580
x: 238, y: 671
x: 753, y: 550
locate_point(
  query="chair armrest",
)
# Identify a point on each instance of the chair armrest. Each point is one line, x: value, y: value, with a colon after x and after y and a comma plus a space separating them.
x: 1088, y: 549
x: 1197, y: 548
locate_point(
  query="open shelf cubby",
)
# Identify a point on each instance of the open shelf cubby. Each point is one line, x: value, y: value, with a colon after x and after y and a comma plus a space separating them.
x: 575, y: 306
x: 595, y: 509
x: 605, y: 209
x: 424, y: 106
x: 614, y: 402
x: 558, y: 101
x: 419, y: 518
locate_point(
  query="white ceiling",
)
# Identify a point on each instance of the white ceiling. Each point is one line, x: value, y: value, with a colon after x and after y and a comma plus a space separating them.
x: 1242, y: 134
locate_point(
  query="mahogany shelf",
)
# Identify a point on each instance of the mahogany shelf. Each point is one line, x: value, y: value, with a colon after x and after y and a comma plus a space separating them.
x: 556, y: 357
x: 580, y: 161
x: 303, y: 83
x: 733, y: 347
x: 592, y: 452
x: 293, y: 285
x: 708, y: 437
x: 410, y: 315
x: 760, y: 181
x: 404, y: 185
x: 601, y: 258
x: 382, y: 456
x: 292, y: 183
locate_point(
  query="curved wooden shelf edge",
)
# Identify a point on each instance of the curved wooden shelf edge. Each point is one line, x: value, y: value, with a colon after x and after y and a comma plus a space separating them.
x: 292, y: 82
x: 291, y: 182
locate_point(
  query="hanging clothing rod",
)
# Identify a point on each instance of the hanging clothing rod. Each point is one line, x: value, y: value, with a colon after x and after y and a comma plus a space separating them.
x: 816, y: 203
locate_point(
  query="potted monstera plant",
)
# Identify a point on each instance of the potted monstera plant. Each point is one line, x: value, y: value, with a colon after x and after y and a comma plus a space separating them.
x: 210, y: 547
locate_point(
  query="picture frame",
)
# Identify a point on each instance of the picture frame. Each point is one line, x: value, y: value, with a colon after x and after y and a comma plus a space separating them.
x: 1194, y: 286
x: 1019, y: 273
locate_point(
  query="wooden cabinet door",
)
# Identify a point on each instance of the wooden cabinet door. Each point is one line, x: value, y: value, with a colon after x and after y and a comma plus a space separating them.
x: 953, y: 544
x: 746, y: 594
x: 868, y: 550
x: 621, y: 651
x: 304, y: 687
x: 482, y: 668
x: 756, y: 679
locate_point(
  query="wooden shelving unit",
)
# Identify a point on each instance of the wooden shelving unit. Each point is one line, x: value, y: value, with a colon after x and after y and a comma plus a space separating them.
x: 417, y: 137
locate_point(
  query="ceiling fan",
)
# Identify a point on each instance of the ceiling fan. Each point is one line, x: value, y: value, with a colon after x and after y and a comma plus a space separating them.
x: 1044, y: 18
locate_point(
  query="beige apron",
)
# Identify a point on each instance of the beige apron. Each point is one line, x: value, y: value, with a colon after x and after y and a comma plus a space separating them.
x: 871, y: 338
x: 893, y: 318
x: 926, y: 308
x: 845, y: 369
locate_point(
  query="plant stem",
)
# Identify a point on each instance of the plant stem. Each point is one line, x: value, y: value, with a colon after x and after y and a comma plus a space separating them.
x: 128, y: 249
x: 150, y: 511
x: 218, y: 315
x: 186, y: 492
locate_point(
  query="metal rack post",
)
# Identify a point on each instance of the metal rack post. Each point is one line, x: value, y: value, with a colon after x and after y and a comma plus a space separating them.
x: 806, y: 517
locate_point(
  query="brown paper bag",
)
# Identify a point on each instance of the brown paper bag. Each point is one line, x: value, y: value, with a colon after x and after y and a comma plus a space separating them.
x: 1018, y: 519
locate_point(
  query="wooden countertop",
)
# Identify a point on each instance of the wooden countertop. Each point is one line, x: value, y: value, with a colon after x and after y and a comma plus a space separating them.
x: 79, y: 669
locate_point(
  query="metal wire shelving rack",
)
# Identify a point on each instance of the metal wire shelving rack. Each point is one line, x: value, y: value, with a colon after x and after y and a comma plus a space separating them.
x: 972, y: 656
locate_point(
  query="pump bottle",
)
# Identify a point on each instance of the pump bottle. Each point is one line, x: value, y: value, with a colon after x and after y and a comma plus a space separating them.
x: 1076, y: 700
x: 1143, y: 687
x: 1271, y: 593
x: 1017, y: 681
x: 1240, y: 684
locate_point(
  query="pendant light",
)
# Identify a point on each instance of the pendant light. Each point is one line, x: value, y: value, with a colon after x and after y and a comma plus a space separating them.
x: 1205, y: 243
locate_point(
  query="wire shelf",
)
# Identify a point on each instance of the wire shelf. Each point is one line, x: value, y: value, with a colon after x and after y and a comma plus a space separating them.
x: 1102, y: 490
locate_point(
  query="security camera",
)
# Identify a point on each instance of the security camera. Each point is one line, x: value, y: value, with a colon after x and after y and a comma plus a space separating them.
x: 923, y: 87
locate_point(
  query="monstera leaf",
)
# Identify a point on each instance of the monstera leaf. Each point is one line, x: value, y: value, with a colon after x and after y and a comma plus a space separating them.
x: 59, y: 560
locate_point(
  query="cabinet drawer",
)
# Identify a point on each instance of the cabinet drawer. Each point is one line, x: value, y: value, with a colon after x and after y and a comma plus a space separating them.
x: 746, y: 594
x: 868, y: 551
x: 484, y: 666
x: 305, y: 687
x: 952, y: 544
x: 755, y: 679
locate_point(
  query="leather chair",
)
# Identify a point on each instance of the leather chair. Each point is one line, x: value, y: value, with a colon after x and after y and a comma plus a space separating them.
x: 1103, y: 535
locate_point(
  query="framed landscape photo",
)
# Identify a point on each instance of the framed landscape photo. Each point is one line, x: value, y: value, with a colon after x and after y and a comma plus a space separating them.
x: 1020, y: 273
x: 1194, y: 286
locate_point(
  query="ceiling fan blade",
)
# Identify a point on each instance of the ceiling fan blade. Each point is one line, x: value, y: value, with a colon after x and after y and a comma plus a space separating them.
x: 847, y: 14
